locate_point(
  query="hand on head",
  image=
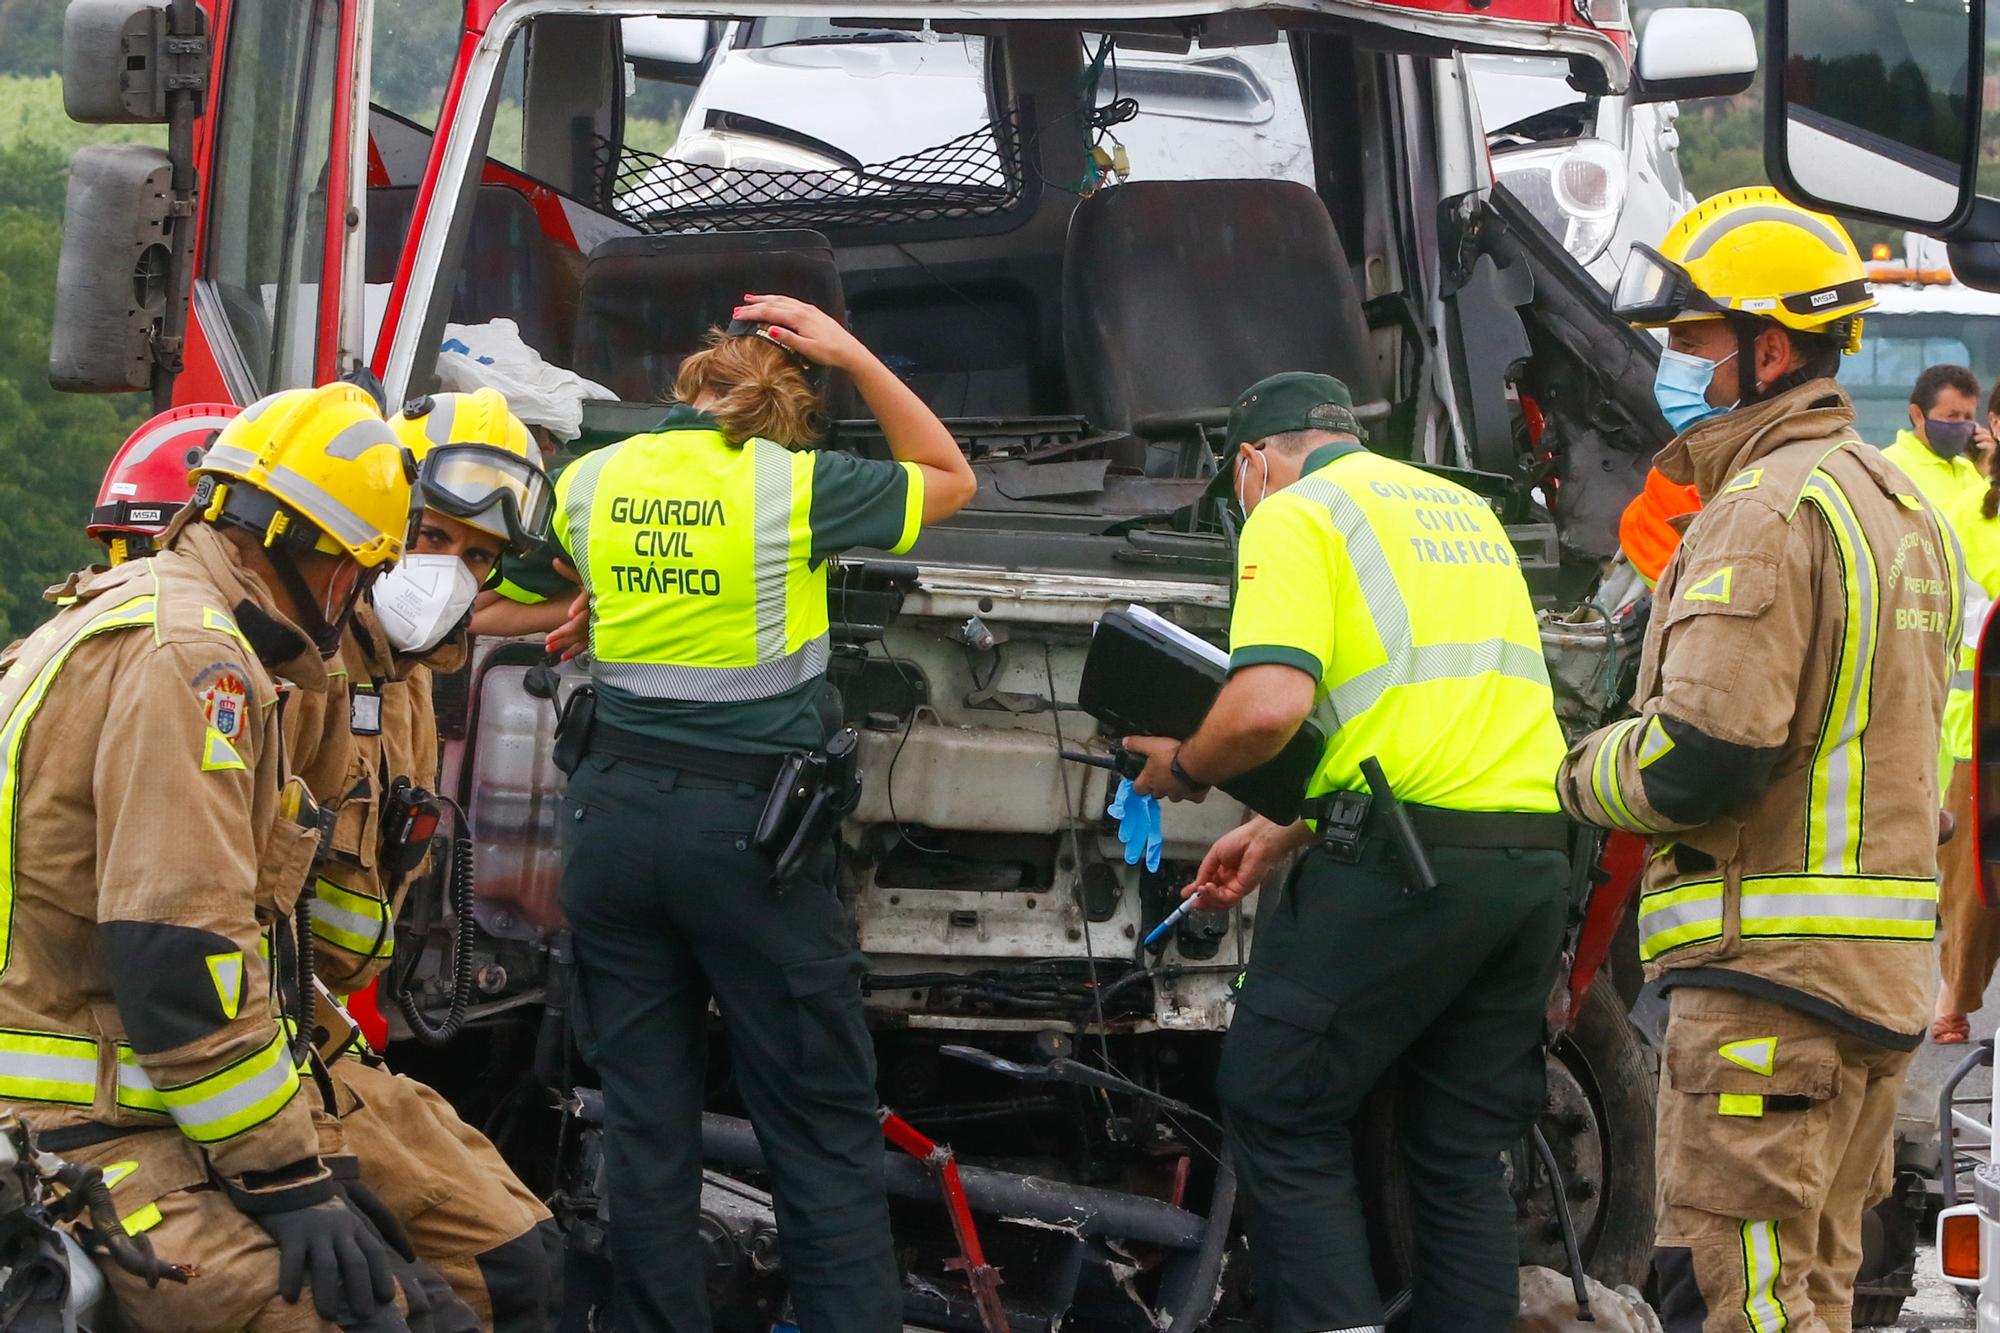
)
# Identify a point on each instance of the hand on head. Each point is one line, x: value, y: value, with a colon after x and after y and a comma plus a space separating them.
x: 804, y: 328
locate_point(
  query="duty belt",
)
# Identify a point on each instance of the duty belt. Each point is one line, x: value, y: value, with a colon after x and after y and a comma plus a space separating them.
x: 757, y: 770
x: 1438, y: 827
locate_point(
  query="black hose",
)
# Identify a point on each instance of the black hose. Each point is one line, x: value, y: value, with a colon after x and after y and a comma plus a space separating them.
x: 132, y: 1253
x: 461, y: 879
x: 304, y: 1016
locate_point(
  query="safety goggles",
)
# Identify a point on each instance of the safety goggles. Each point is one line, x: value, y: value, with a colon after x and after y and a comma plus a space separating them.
x: 1654, y: 290
x: 492, y: 489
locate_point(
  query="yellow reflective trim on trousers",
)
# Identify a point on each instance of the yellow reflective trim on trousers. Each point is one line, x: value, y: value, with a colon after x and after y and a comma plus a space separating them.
x: 1791, y: 906
x: 1833, y: 812
x: 352, y: 921
x: 238, y: 1097
x: 140, y: 610
x: 1763, y: 1267
x: 48, y: 1067
x: 135, y: 1089
x: 141, y: 1219
x: 1604, y: 783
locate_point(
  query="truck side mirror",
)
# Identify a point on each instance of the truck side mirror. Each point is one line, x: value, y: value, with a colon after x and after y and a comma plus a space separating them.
x: 1872, y: 107
x: 112, y: 276
x: 121, y: 59
x: 1690, y: 53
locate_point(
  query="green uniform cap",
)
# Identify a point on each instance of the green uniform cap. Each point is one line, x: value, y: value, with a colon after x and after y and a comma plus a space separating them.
x: 1295, y: 400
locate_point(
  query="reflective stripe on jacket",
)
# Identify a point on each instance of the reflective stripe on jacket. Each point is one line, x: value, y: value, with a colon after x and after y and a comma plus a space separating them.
x: 1401, y: 595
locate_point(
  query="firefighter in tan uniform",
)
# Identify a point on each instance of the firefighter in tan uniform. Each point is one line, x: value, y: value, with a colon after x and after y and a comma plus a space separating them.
x: 466, y: 1213
x: 152, y: 852
x: 1784, y: 760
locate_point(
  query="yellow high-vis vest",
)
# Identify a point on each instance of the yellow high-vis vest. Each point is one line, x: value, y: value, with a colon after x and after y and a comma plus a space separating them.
x: 1401, y: 595
x: 706, y: 560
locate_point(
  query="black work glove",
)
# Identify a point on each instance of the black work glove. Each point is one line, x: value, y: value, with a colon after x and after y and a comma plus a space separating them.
x: 432, y: 1305
x: 321, y: 1236
x: 369, y: 1204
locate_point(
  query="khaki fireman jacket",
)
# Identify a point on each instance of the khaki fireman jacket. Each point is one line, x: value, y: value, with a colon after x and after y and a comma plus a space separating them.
x: 1784, y: 756
x: 381, y: 726
x: 148, y: 839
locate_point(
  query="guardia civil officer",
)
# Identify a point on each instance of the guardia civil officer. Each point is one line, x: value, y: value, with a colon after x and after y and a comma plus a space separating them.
x: 703, y: 547
x: 1387, y: 604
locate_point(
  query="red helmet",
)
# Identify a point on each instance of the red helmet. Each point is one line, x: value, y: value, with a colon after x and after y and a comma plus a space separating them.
x: 147, y: 482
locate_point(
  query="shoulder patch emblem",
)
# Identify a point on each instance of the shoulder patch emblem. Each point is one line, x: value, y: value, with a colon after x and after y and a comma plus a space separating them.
x: 1714, y: 588
x: 224, y: 695
x: 1759, y: 1055
x: 218, y: 755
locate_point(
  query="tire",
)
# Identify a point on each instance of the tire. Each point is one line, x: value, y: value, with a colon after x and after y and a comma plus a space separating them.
x: 1877, y: 1311
x: 1889, y: 1237
x: 1602, y: 1059
x: 1623, y: 1075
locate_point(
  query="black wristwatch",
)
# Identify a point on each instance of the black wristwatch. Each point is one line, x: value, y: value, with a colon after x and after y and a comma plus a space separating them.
x: 1182, y: 776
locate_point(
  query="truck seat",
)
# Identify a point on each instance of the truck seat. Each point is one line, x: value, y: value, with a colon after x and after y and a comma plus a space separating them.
x: 1178, y: 295
x: 648, y: 301
x: 512, y: 268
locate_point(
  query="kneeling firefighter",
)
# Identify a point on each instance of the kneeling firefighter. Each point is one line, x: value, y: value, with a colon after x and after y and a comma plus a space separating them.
x: 155, y: 849
x: 1784, y: 761
x: 466, y: 1213
x: 689, y: 872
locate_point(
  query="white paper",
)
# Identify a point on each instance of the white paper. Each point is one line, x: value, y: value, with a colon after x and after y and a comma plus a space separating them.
x: 1173, y: 633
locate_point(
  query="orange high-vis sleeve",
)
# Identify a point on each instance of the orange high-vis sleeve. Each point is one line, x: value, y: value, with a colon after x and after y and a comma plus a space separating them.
x: 1645, y: 534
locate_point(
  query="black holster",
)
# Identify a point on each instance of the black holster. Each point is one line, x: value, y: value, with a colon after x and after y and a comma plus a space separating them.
x: 815, y: 790
x: 573, y: 727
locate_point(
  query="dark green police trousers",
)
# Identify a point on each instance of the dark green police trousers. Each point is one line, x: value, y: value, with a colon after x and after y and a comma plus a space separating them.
x: 1354, y: 981
x: 670, y: 906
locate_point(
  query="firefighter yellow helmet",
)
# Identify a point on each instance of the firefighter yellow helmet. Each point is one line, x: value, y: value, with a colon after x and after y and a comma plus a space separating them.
x: 1750, y: 252
x: 476, y: 463
x: 319, y: 457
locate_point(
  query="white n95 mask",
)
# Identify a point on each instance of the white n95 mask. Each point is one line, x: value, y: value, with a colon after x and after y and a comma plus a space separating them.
x: 423, y: 599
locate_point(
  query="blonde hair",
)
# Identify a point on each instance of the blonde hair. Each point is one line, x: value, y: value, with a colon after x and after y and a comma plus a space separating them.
x: 754, y: 388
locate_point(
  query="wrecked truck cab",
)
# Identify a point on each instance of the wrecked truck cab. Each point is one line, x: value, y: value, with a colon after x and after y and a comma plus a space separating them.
x: 1081, y: 313
x: 1082, y: 330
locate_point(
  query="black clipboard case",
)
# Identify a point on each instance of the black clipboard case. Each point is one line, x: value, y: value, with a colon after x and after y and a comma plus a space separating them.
x: 1139, y: 682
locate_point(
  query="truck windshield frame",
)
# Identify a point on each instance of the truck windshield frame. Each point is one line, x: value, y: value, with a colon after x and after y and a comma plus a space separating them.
x: 267, y: 204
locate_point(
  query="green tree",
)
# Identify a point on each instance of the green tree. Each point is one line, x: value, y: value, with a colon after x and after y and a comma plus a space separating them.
x: 56, y: 445
x: 31, y: 36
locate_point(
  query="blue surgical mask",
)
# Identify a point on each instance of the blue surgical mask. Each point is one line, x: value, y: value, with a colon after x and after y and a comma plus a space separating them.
x: 1680, y: 386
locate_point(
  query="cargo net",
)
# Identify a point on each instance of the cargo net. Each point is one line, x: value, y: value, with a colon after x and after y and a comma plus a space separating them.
x: 975, y: 175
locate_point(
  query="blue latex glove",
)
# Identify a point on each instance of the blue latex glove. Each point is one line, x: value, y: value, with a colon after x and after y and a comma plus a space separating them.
x: 1139, y: 826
